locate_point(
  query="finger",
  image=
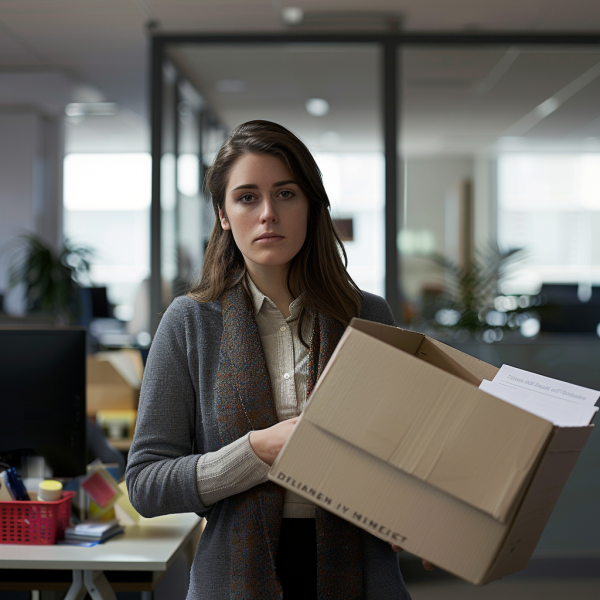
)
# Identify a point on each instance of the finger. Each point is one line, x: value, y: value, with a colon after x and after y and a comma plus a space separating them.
x: 428, y: 566
x: 397, y: 548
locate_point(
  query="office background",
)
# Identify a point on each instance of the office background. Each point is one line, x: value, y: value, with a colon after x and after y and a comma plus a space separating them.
x: 441, y: 128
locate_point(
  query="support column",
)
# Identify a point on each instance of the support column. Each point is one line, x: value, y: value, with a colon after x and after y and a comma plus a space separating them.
x: 156, y: 74
x: 390, y: 136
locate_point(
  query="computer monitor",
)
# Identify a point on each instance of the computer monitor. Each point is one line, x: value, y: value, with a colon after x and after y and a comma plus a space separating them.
x: 562, y: 310
x: 43, y: 392
x: 94, y: 305
x: 100, y: 304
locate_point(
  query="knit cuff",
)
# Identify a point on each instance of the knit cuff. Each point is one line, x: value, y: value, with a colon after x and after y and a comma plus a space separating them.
x: 231, y: 470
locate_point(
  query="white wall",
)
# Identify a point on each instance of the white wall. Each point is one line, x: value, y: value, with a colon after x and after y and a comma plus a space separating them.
x: 432, y: 187
x: 31, y: 155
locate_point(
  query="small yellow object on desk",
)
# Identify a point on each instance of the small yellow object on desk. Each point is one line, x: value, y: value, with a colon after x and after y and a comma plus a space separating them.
x: 117, y: 424
x: 50, y: 490
x: 124, y: 511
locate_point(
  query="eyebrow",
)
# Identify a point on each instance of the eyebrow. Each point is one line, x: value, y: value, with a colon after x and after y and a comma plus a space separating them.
x: 252, y: 186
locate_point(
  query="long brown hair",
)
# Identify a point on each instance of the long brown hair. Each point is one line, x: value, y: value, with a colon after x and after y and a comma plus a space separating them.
x: 318, y: 271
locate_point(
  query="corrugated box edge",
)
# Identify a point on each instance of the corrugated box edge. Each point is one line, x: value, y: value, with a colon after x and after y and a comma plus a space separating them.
x: 532, y: 515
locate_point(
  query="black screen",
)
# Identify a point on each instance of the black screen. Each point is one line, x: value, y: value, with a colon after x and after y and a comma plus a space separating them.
x: 563, y: 312
x: 42, y: 396
x: 100, y: 308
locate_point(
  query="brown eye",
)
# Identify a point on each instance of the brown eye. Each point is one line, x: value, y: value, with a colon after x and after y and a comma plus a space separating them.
x: 286, y: 194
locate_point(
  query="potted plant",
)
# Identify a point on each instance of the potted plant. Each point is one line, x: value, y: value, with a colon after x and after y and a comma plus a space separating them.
x: 51, y: 279
x: 467, y: 308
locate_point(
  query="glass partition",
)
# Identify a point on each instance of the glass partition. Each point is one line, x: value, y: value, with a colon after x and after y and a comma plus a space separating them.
x: 190, y: 217
x: 168, y: 187
x: 501, y: 146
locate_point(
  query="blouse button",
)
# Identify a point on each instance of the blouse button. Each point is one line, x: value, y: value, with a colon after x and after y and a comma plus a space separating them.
x: 282, y: 328
x: 286, y: 375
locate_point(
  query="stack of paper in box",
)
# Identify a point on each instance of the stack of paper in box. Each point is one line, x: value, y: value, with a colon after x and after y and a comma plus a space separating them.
x: 90, y: 533
x: 563, y: 404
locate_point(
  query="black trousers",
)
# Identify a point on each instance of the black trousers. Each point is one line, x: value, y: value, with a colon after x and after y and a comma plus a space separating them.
x: 296, y: 563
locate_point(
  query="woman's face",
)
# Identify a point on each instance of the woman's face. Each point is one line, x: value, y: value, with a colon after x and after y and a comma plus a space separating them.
x: 265, y: 210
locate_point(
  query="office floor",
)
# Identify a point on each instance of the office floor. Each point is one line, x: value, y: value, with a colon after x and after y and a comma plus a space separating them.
x: 550, y: 578
x: 523, y: 589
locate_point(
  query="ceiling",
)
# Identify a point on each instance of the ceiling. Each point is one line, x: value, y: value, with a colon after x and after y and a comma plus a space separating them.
x: 454, y: 99
x: 55, y: 51
x: 478, y: 99
x: 347, y: 76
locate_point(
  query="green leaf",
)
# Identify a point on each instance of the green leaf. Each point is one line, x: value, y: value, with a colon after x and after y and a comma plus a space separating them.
x: 51, y: 280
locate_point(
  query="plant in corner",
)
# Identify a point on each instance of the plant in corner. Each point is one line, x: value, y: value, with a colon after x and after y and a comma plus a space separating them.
x: 470, y: 292
x: 51, y: 279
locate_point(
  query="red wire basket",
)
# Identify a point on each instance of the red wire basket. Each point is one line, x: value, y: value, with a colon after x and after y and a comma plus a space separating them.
x: 34, y: 522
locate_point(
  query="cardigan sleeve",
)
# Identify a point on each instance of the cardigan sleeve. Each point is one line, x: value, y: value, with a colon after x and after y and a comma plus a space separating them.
x: 375, y: 308
x: 231, y: 470
x: 161, y: 469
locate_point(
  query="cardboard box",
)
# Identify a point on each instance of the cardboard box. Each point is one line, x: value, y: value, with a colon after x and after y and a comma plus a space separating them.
x: 398, y: 439
x: 113, y: 381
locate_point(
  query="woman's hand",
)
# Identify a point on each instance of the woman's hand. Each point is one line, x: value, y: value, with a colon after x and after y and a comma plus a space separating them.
x: 267, y: 443
x: 426, y: 564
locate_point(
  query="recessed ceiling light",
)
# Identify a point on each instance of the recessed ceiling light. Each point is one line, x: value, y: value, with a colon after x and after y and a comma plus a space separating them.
x: 317, y: 107
x: 292, y: 15
x: 91, y: 109
x: 230, y: 85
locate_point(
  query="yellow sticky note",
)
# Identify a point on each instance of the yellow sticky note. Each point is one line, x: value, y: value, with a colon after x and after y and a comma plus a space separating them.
x: 124, y: 510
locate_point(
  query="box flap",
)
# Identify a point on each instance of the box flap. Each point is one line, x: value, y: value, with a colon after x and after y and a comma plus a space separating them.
x: 128, y: 363
x: 455, y: 362
x: 103, y: 372
x: 426, y: 421
x: 409, y: 341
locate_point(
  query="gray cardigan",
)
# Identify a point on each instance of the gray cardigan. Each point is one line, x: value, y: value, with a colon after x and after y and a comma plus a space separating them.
x: 176, y: 424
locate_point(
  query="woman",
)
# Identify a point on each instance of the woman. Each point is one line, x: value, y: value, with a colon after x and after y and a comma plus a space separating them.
x: 229, y: 371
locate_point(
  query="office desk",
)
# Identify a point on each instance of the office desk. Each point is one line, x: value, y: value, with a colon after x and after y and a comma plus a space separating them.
x: 150, y: 547
x: 124, y: 445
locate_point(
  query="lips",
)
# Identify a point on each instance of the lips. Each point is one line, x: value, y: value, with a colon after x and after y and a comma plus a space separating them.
x: 269, y: 237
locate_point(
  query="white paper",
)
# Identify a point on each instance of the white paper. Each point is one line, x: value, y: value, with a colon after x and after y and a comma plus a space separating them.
x: 546, y: 386
x: 92, y: 527
x: 559, y: 412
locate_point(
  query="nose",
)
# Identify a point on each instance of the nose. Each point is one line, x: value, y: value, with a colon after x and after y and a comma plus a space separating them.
x: 268, y: 213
